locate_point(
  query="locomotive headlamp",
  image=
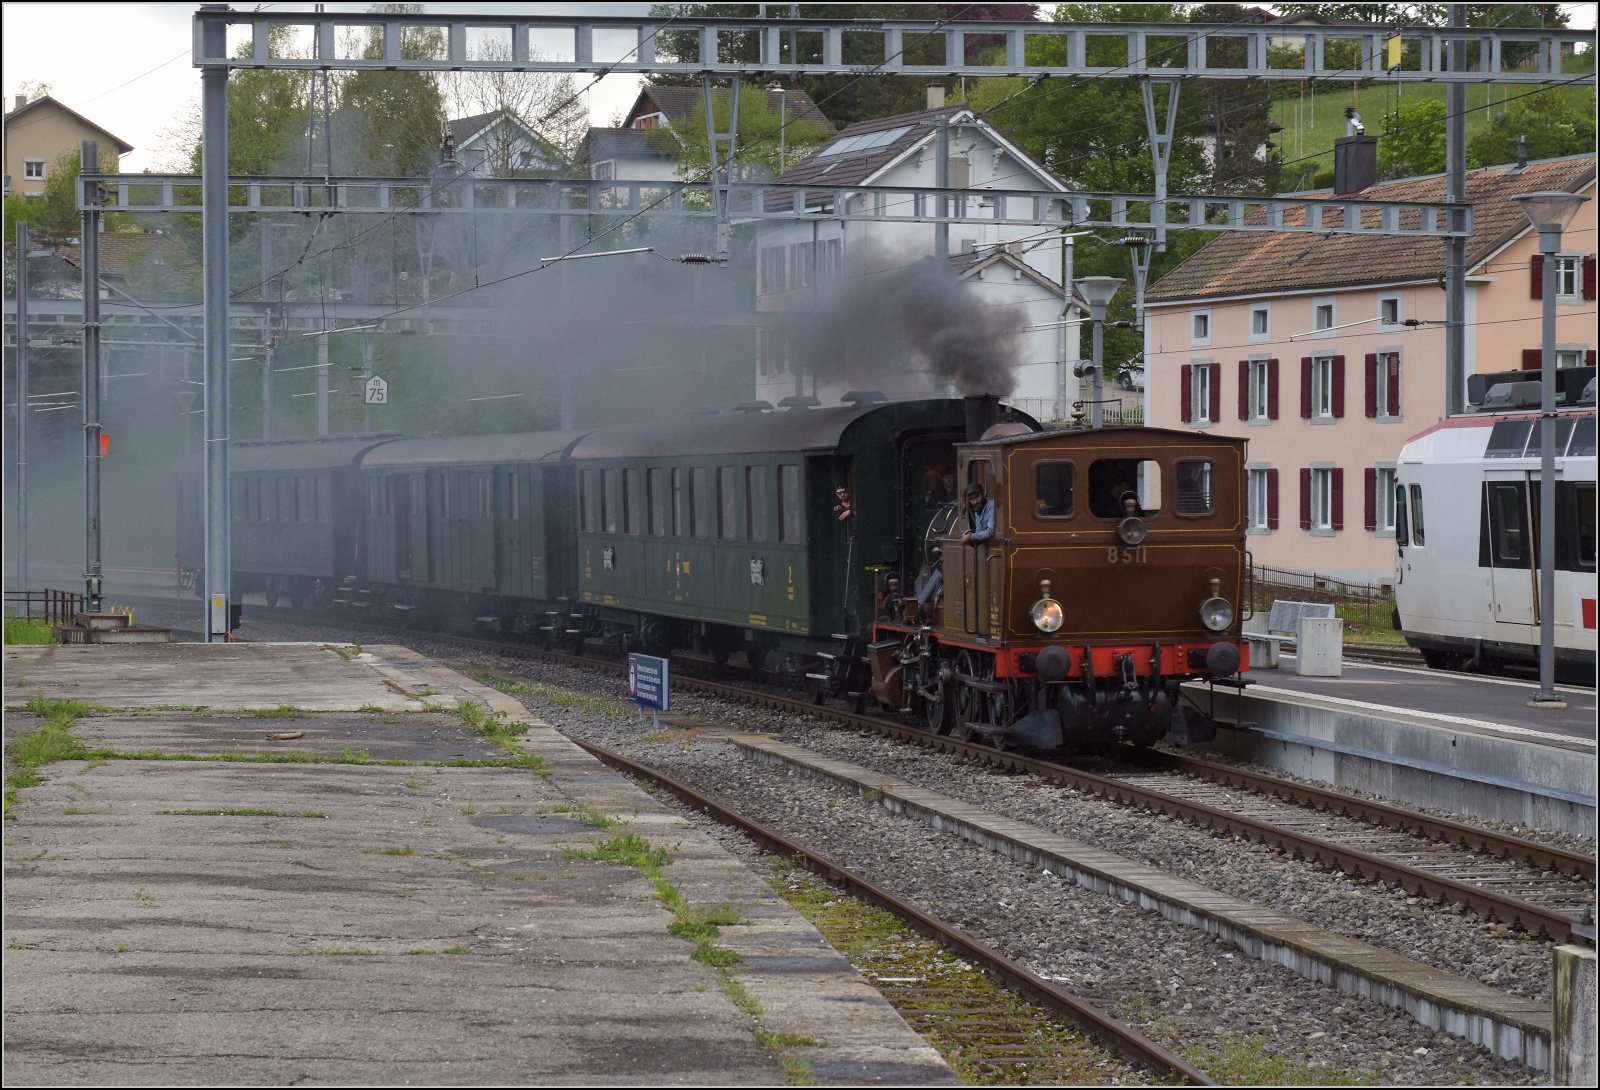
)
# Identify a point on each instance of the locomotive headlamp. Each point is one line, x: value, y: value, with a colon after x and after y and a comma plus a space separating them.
x: 1215, y: 612
x: 1047, y: 614
x: 1131, y: 530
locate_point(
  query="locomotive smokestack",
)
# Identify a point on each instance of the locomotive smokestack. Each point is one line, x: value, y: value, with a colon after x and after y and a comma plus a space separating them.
x: 983, y: 413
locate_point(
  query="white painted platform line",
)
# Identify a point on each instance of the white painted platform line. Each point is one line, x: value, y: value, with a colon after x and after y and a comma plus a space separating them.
x: 1453, y: 675
x: 1438, y: 717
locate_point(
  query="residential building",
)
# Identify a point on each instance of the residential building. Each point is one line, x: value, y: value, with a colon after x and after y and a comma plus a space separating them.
x: 498, y: 144
x: 795, y: 261
x: 1328, y: 352
x: 37, y: 132
x: 634, y: 155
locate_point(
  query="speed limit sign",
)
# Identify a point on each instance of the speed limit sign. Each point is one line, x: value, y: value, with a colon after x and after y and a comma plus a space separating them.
x: 377, y: 391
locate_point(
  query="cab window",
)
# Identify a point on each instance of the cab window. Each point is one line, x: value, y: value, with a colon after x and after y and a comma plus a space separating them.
x: 1194, y: 489
x: 1119, y: 487
x: 1052, y: 490
x: 1402, y: 536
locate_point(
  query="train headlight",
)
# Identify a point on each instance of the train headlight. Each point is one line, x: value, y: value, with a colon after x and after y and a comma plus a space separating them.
x: 1215, y: 612
x: 1047, y: 614
x: 1131, y: 530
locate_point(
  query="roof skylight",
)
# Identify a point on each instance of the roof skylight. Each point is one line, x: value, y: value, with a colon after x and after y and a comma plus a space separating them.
x: 865, y: 142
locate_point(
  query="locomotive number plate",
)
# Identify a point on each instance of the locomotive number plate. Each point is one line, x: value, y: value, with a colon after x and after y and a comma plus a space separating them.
x: 1115, y: 555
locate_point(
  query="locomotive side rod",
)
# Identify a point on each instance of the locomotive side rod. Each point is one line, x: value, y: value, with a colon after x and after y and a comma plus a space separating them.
x: 1116, y: 1035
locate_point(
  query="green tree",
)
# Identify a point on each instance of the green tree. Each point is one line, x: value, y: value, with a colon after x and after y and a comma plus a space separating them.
x: 1555, y: 124
x: 394, y: 120
x: 1413, y: 140
x: 757, y: 153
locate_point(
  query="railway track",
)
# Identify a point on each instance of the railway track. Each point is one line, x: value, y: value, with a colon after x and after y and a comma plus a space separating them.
x: 1541, y: 889
x: 966, y: 1021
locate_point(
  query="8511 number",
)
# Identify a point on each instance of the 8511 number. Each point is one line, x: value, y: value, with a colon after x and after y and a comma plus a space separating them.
x: 1115, y: 555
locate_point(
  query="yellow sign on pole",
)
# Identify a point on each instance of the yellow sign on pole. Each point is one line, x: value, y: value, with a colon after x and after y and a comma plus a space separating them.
x: 1394, y: 52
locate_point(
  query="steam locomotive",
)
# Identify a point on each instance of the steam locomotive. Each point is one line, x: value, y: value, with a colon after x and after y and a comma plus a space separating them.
x: 801, y: 539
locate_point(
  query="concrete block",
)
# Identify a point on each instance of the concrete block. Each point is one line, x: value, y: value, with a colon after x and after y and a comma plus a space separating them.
x: 1321, y: 647
x: 1573, y: 1034
x: 1263, y: 653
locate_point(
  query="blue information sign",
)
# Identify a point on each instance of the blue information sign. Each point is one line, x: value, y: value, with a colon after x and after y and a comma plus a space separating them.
x: 648, y: 682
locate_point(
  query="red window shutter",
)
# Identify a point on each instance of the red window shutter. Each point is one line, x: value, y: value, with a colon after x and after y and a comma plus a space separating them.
x: 1588, y: 358
x: 1336, y: 501
x: 1272, y: 499
x: 1371, y: 369
x: 1338, y: 386
x: 1244, y: 389
x: 1588, y: 277
x: 1216, y: 392
x: 1186, y: 393
x: 1532, y: 359
x: 1272, y: 391
x: 1371, y: 476
x: 1536, y: 276
x: 1305, y: 499
x: 1305, y: 387
x: 1394, y: 384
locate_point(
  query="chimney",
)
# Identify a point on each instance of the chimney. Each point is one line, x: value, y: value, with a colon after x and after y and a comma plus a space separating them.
x: 1522, y: 152
x: 935, y: 96
x: 983, y: 413
x: 1355, y: 163
x: 22, y: 100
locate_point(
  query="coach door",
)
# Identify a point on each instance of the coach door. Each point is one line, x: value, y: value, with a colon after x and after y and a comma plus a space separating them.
x: 1507, y: 526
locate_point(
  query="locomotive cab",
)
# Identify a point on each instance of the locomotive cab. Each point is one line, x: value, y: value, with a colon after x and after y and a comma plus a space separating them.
x: 1115, y: 572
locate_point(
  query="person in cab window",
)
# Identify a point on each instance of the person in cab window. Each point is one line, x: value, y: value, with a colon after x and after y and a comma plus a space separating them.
x: 980, y: 516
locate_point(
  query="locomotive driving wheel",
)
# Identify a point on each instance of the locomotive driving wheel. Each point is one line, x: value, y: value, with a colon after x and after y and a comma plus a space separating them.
x: 938, y: 713
x: 969, y: 702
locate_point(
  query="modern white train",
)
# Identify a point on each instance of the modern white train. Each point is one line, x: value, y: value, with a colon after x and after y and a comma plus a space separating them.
x: 1466, y: 532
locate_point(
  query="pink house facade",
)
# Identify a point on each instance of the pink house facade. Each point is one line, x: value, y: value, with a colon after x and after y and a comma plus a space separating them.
x: 1327, y: 354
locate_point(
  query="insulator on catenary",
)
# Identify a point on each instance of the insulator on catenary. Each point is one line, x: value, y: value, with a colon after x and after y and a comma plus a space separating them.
x: 696, y: 259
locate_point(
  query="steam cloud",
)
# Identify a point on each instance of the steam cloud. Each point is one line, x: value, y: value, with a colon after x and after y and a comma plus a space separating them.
x: 913, y: 317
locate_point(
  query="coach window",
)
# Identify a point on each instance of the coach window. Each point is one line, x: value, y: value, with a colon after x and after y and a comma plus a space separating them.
x: 789, y: 504
x: 1052, y: 490
x: 586, y: 501
x: 755, y: 507
x: 483, y: 489
x: 1506, y: 507
x: 1194, y: 497
x: 727, y: 503
x: 655, y: 502
x: 632, y: 502
x: 701, y: 508
x: 678, y: 505
x: 305, y: 489
x: 1401, y: 535
x: 325, y: 499
x: 513, y: 498
x: 1586, y: 527
x: 285, y: 499
x: 1112, y: 481
x: 608, y: 501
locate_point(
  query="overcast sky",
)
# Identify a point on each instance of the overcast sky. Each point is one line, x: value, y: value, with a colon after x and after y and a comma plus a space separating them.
x: 126, y: 66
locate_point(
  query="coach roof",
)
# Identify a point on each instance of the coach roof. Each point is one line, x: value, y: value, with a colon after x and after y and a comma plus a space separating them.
x: 527, y: 446
x: 740, y: 433
x: 288, y: 457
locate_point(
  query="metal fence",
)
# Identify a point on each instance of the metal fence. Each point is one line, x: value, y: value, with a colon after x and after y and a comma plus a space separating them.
x: 51, y: 606
x: 1326, y: 584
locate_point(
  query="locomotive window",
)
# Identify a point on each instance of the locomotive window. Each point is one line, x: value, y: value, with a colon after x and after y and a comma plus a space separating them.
x: 632, y: 502
x: 755, y: 490
x: 1114, y: 482
x: 1586, y: 526
x: 1401, y: 539
x: 586, y: 501
x: 1506, y: 501
x: 700, y: 506
x: 608, y: 501
x: 1052, y: 490
x: 1417, y: 534
x: 789, y: 504
x: 727, y: 503
x: 978, y: 472
x: 1194, y: 489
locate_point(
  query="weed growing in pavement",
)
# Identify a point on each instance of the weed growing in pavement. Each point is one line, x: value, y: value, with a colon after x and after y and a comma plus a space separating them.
x: 52, y: 741
x: 455, y: 950
x: 75, y: 810
x: 405, y: 893
x: 551, y: 694
x: 242, y: 811
x: 422, y: 951
x: 142, y: 894
x: 282, y: 711
x: 20, y: 630
x: 468, y: 810
x: 369, y: 708
x: 349, y: 650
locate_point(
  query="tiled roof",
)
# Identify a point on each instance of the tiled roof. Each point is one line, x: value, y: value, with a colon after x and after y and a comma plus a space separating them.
x: 853, y: 169
x: 463, y: 129
x: 122, y: 146
x: 1241, y: 264
x: 686, y: 104
x: 973, y: 262
x: 629, y: 144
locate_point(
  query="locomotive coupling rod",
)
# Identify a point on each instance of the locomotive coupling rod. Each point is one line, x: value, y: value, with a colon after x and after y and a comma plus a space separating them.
x: 1115, y: 1035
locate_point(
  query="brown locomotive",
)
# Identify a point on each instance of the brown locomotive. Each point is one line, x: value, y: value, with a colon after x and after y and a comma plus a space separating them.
x: 1115, y: 573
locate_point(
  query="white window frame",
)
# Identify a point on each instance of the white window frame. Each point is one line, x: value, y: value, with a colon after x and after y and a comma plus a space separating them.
x: 1384, y: 324
x: 1258, y: 521
x: 27, y: 170
x: 1387, y: 411
x: 1383, y: 500
x: 1321, y: 498
x: 772, y: 269
x: 1574, y: 354
x: 1260, y: 390
x: 1322, y: 387
x: 1264, y: 309
x: 1197, y: 317
x: 1317, y: 305
x: 1568, y: 265
x: 605, y: 170
x: 1200, y: 394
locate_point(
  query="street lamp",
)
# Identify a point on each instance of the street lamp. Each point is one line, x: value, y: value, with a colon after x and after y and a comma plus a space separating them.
x: 1549, y: 212
x: 1097, y: 292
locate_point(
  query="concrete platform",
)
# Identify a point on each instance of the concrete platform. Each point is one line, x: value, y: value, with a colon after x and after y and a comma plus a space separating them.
x: 1464, y: 744
x: 378, y: 895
